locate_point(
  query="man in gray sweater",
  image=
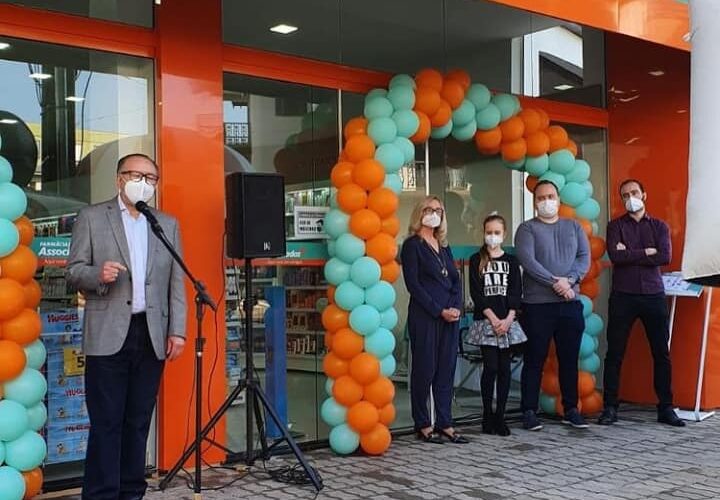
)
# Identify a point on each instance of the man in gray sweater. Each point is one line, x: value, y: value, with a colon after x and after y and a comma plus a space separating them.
x: 555, y: 256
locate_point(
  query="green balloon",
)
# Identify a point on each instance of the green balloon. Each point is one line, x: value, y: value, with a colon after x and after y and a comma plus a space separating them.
x: 573, y: 194
x: 26, y: 452
x: 555, y: 178
x: 348, y: 295
x: 588, y: 187
x: 336, y: 222
x: 382, y: 130
x: 376, y: 93
x: 28, y: 389
x: 547, y: 403
x: 579, y: 173
x: 407, y: 147
x: 537, y: 165
x: 442, y: 132
x: 506, y: 104
x: 343, y: 440
x: 590, y: 209
x: 9, y: 237
x: 587, y: 346
x: 6, y: 171
x: 12, y: 484
x: 401, y: 97
x: 378, y: 107
x: 393, y: 182
x: 562, y: 161
x: 13, y: 420
x: 488, y: 117
x: 406, y: 122
x: 349, y: 248
x: 390, y: 156
x: 479, y: 95
x: 37, y: 416
x: 333, y: 413
x: 402, y: 79
x: 336, y: 271
x: 464, y: 114
x: 466, y: 132
x: 365, y: 272
x: 589, y: 364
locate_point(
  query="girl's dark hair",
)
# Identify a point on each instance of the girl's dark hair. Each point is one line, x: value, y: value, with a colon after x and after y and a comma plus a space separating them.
x: 484, y: 253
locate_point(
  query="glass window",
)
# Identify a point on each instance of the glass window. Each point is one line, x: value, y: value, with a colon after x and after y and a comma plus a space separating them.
x: 66, y: 116
x: 136, y: 12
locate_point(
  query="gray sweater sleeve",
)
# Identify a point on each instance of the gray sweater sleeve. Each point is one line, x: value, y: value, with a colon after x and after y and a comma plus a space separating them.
x: 582, y: 260
x: 525, y: 249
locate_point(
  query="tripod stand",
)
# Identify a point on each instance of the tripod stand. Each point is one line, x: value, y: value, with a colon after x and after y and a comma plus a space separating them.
x: 254, y: 396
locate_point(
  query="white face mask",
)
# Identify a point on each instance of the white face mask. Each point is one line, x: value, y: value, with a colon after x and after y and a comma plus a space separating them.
x: 493, y: 240
x: 634, y: 205
x: 432, y: 220
x: 548, y: 208
x: 139, y: 191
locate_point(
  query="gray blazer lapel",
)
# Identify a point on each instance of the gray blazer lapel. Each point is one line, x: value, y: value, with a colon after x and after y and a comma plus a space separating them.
x: 152, y: 247
x: 118, y: 230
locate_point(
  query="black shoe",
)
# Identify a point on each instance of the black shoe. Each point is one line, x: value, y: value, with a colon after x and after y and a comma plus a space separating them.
x: 608, y: 416
x: 455, y: 437
x: 572, y: 417
x: 430, y: 437
x: 531, y: 422
x: 488, y: 426
x: 501, y: 428
x: 669, y: 417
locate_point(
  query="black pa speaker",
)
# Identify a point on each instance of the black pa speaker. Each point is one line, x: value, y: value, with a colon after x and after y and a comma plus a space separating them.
x: 255, y: 220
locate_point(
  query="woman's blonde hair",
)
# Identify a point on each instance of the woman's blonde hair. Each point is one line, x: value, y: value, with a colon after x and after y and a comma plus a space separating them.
x: 416, y: 220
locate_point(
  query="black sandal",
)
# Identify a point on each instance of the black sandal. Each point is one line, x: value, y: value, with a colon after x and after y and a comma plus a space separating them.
x: 431, y: 437
x: 454, y: 437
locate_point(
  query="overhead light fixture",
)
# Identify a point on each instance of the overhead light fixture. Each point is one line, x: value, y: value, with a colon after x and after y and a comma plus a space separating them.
x: 657, y: 72
x: 8, y: 121
x: 681, y: 111
x: 4, y: 45
x: 74, y: 98
x: 284, y: 29
x: 564, y: 86
x: 40, y: 76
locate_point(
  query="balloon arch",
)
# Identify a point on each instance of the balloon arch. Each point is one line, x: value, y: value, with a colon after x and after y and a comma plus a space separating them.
x: 363, y: 227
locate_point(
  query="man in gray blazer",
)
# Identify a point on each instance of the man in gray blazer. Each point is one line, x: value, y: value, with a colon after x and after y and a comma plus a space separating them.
x: 134, y: 319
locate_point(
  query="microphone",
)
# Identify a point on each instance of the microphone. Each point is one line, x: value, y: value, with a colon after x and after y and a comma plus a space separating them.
x: 144, y: 209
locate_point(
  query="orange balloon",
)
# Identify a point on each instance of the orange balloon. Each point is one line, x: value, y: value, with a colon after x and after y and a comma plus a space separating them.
x: 390, y: 272
x: 429, y: 77
x: 591, y: 288
x: 572, y: 146
x: 514, y: 151
x: 592, y: 403
x: 380, y: 393
x: 334, y: 318
x: 331, y: 294
x: 490, y: 151
x: 26, y: 230
x: 551, y: 365
x: 376, y: 441
x: 382, y: 247
x: 359, y: 147
x: 368, y: 174
x: 538, y: 143
x: 587, y: 226
x: 512, y: 129
x: 594, y: 271
x: 559, y: 407
x: 532, y: 120
x: 597, y: 247
x: 328, y: 339
x: 423, y: 131
x: 352, y: 198
x: 33, y: 294
x: 19, y: 265
x: 355, y: 126
x: 586, y: 383
x: 441, y: 116
x: 544, y: 119
x: 387, y: 414
x: 551, y: 384
x: 488, y: 139
x: 427, y: 100
x: 12, y: 298
x: 23, y: 328
x: 347, y: 391
x: 558, y: 137
x: 365, y: 368
x: 453, y: 93
x: 347, y: 344
x: 461, y: 76
x: 363, y: 417
x: 383, y: 202
x: 33, y: 482
x: 333, y: 365
x: 12, y: 360
x: 365, y: 224
x: 341, y: 173
x: 531, y: 182
x: 566, y: 211
x: 390, y: 225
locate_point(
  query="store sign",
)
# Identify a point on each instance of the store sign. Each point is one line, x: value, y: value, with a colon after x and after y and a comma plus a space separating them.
x: 74, y: 361
x: 51, y: 251
x: 309, y: 222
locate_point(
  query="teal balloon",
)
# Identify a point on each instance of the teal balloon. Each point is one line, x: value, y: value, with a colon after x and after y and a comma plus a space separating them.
x: 406, y: 122
x: 547, y: 403
x: 562, y: 161
x: 590, y: 209
x: 555, y: 178
x: 389, y: 318
x: 349, y: 248
x: 13, y: 201
x: 597, y: 342
x: 336, y: 223
x: 365, y: 272
x: 381, y: 296
x: 377, y: 107
x: 393, y: 182
x: 579, y: 173
x: 6, y: 171
x: 407, y: 147
x: 333, y: 413
x: 479, y: 95
x: 348, y: 295
x: 587, y: 346
x: 26, y: 452
x: 587, y: 305
x: 364, y: 319
x: 336, y: 271
x: 589, y: 364
x: 401, y: 97
x: 402, y: 80
x: 537, y: 165
x: 594, y: 325
x: 442, y: 132
x: 488, y: 117
x: 505, y: 104
x: 37, y: 416
x: 13, y: 420
x: 331, y: 248
x: 381, y: 343
x: 388, y: 365
x: 466, y: 132
x: 328, y: 386
x: 12, y: 484
x: 588, y: 187
x: 518, y: 165
x: 464, y: 114
x: 382, y: 130
x: 333, y: 198
x: 595, y: 228
x: 2, y: 458
x: 375, y: 93
x: 516, y: 104
x: 391, y: 157
x: 573, y: 194
x: 9, y: 237
x: 28, y: 389
x: 344, y: 440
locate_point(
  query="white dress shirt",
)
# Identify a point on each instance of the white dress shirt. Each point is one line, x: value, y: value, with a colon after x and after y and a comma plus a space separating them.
x: 136, y: 233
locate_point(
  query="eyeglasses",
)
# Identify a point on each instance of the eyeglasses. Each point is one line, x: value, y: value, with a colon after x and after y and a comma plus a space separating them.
x: 429, y: 210
x: 135, y: 176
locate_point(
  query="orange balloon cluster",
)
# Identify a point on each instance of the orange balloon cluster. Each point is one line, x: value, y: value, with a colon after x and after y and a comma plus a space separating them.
x: 589, y: 398
x: 436, y: 97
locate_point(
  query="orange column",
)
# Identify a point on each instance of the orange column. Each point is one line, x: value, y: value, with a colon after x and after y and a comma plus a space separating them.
x: 190, y: 125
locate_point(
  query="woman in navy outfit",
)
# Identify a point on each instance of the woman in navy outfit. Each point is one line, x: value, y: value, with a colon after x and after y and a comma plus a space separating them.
x: 433, y: 314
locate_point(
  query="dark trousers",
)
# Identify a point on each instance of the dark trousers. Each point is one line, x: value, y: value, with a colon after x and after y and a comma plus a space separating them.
x: 564, y: 322
x: 434, y: 345
x: 623, y: 310
x: 120, y: 395
x: 496, y: 371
